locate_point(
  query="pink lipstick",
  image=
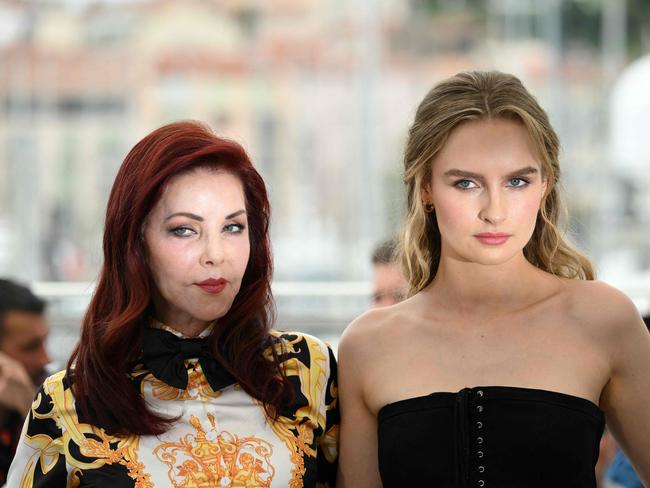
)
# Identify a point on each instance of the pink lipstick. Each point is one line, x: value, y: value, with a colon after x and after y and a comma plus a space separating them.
x: 492, y: 238
x: 212, y: 286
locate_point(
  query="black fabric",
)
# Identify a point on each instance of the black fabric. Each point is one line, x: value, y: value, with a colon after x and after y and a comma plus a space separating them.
x: 486, y: 437
x: 163, y: 353
x: 9, y: 436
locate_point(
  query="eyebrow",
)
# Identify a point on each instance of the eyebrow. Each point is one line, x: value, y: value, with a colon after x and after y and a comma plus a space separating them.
x: 235, y: 214
x: 527, y: 170
x: 184, y: 214
x: 199, y: 218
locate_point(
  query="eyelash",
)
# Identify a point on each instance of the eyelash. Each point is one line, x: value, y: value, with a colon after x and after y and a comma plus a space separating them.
x: 180, y: 231
x: 526, y: 181
x: 239, y: 228
x: 457, y: 184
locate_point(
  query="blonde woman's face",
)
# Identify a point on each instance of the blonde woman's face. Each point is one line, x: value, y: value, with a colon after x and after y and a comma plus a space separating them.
x: 487, y: 186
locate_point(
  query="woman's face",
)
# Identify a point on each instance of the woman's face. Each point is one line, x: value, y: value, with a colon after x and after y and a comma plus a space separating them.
x: 487, y: 187
x: 198, y: 247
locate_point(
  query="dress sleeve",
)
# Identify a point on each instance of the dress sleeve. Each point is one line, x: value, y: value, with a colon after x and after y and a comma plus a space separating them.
x: 39, y: 460
x: 327, y: 450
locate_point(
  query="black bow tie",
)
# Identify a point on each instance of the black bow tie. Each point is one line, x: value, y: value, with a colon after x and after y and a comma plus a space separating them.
x: 163, y: 353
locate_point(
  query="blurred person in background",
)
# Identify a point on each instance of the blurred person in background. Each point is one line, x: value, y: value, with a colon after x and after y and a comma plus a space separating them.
x: 23, y: 356
x: 621, y: 474
x: 388, y: 282
x: 606, y: 453
x: 501, y: 366
x: 178, y: 378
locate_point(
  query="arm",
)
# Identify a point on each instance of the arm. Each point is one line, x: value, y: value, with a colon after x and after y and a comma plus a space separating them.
x: 327, y: 456
x: 626, y: 396
x: 358, y: 444
x: 40, y: 456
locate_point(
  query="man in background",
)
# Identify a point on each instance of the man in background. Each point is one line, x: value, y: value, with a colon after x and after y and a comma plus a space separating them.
x: 23, y: 357
x: 388, y: 283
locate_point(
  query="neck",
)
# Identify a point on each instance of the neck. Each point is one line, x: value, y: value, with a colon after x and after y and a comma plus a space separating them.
x: 188, y: 329
x: 487, y: 290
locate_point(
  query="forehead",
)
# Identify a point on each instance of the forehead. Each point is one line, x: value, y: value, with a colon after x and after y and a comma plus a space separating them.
x: 481, y: 145
x: 203, y: 186
x: 17, y: 323
x: 388, y: 272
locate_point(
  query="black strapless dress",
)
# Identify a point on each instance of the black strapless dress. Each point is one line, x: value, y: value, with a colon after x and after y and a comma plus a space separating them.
x: 493, y: 436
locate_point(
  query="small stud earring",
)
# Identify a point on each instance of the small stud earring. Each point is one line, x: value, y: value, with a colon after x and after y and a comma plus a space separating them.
x: 428, y: 207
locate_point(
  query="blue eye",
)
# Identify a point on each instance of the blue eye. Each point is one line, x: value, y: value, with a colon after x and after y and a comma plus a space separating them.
x: 465, y: 184
x: 234, y: 228
x: 517, y: 182
x: 181, y: 231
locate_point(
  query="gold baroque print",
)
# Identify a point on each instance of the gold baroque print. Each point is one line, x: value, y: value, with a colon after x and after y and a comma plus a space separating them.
x: 62, y: 412
x: 209, y: 458
x: 299, y: 438
x: 201, y: 452
x: 126, y: 455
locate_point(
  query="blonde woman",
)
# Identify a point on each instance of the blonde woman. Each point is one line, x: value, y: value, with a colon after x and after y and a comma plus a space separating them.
x: 503, y: 364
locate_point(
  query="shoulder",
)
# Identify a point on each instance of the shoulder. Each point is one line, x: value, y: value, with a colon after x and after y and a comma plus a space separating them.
x: 57, y: 381
x: 606, y: 315
x: 54, y: 386
x: 55, y: 397
x: 374, y: 330
x: 310, y: 366
x: 601, y: 305
x: 52, y: 408
x: 309, y: 350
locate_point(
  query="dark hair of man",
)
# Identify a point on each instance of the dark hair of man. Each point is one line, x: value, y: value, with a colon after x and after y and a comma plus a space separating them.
x: 17, y: 297
x: 385, y: 252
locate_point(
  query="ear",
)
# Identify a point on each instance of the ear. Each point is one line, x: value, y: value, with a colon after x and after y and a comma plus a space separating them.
x: 426, y: 192
x: 544, y: 188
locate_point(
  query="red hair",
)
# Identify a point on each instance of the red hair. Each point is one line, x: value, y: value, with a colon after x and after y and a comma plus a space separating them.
x: 111, y: 337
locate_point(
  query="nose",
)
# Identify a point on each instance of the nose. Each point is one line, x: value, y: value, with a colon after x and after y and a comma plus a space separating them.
x: 213, y: 252
x: 494, y: 208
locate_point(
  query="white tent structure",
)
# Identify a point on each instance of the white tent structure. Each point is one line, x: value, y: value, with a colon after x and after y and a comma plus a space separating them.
x: 625, y: 264
x: 630, y: 121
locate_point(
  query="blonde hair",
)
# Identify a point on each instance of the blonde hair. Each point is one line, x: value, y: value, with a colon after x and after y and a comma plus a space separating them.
x: 471, y: 96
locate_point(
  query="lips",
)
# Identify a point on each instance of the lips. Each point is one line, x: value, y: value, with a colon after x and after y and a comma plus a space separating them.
x: 492, y: 238
x: 212, y: 286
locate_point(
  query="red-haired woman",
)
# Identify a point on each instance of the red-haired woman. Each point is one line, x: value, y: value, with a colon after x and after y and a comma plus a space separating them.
x: 178, y: 379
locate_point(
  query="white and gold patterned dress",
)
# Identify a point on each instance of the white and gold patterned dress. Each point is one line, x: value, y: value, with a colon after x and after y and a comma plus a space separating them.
x: 222, y: 438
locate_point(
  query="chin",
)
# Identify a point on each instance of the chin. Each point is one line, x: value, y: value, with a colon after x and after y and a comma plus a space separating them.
x: 496, y: 259
x: 212, y: 315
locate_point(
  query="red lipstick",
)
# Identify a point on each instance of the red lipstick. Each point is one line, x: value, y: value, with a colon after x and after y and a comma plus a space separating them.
x: 212, y: 286
x: 492, y: 238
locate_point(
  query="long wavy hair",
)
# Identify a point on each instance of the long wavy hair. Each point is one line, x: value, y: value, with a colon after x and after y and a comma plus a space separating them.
x: 472, y: 96
x: 111, y: 337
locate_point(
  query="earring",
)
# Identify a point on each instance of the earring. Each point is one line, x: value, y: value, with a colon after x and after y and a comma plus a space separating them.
x: 428, y: 207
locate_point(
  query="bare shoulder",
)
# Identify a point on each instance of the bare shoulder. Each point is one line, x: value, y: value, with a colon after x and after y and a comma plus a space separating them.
x: 372, y: 330
x: 602, y: 306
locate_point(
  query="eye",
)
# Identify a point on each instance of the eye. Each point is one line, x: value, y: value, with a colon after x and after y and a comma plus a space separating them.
x: 182, y: 231
x: 234, y: 228
x: 517, y: 182
x: 465, y: 184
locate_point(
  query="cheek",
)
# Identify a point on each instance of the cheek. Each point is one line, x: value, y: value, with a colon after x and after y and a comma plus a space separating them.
x: 452, y: 213
x: 528, y: 209
x: 166, y: 262
x: 241, y: 255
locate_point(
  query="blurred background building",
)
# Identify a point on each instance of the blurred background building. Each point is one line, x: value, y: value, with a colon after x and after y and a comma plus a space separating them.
x: 321, y: 93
